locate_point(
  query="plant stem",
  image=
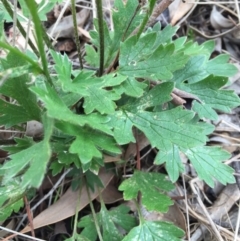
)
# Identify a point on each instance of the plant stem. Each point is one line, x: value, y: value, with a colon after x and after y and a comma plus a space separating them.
x: 101, y: 36
x: 141, y: 219
x: 76, y: 212
x: 22, y: 55
x: 21, y: 29
x: 38, y: 29
x: 94, y: 215
x: 146, y: 18
x: 76, y: 33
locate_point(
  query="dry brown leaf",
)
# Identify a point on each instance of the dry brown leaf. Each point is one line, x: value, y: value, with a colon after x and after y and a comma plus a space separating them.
x: 66, y: 206
x: 111, y: 194
x: 176, y: 216
x: 65, y: 27
x: 218, y: 21
x: 178, y: 9
x: 131, y: 150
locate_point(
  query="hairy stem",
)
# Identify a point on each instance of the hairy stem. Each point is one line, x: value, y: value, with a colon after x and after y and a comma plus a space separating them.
x: 76, y: 33
x: 94, y: 215
x: 101, y: 36
x: 146, y: 18
x: 39, y: 34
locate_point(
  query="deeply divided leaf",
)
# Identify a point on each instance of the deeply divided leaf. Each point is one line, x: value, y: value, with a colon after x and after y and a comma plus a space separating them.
x: 126, y: 17
x: 151, y: 231
x: 151, y: 186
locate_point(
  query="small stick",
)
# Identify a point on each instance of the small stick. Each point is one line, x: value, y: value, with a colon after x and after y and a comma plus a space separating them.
x: 29, y: 214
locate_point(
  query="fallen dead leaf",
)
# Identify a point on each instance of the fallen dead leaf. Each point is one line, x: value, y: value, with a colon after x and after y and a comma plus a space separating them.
x: 65, y: 26
x: 66, y: 206
x: 178, y: 9
x: 218, y: 21
x: 111, y: 194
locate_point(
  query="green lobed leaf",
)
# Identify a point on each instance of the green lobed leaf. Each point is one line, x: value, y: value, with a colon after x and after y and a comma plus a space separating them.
x: 151, y: 231
x: 21, y: 144
x: 199, y: 67
x: 131, y: 87
x: 88, y: 143
x: 138, y: 58
x: 208, y: 163
x: 164, y: 36
x: 173, y: 161
x: 58, y: 110
x: 212, y: 97
x: 156, y: 96
x: 110, y: 231
x: 92, y: 88
x: 33, y: 160
x: 126, y: 18
x: 151, y: 186
x: 17, y: 88
x: 163, y: 129
x: 123, y: 125
x: 10, y: 198
x: 108, y: 221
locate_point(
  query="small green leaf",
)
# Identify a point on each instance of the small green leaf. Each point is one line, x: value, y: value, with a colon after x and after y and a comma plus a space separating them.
x: 131, y: 87
x: 32, y: 160
x: 163, y: 36
x: 156, y: 96
x: 110, y: 231
x: 193, y: 71
x: 173, y: 161
x: 204, y: 110
x: 150, y: 185
x: 212, y: 96
x: 88, y: 143
x: 89, y: 229
x: 152, y: 231
x: 108, y: 221
x: 17, y: 88
x: 10, y: 198
x: 208, y: 163
x: 92, y: 88
x: 219, y: 66
x: 137, y: 59
x: 199, y: 67
x: 58, y: 110
x: 122, y: 128
x: 21, y: 144
x: 126, y: 18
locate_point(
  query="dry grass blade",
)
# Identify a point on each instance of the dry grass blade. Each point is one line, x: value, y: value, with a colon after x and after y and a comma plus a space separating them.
x: 229, y: 196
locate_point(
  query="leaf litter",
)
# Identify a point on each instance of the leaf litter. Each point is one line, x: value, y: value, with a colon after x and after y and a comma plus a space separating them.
x: 223, y: 26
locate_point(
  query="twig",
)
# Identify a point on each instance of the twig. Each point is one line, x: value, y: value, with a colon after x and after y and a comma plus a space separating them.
x: 158, y: 9
x: 20, y: 234
x: 46, y: 196
x: 237, y: 225
x: 187, y: 211
x: 29, y: 214
x: 227, y: 198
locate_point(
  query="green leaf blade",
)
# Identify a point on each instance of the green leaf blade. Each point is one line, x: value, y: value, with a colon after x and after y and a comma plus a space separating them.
x: 208, y: 164
x: 148, y: 184
x: 152, y: 231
